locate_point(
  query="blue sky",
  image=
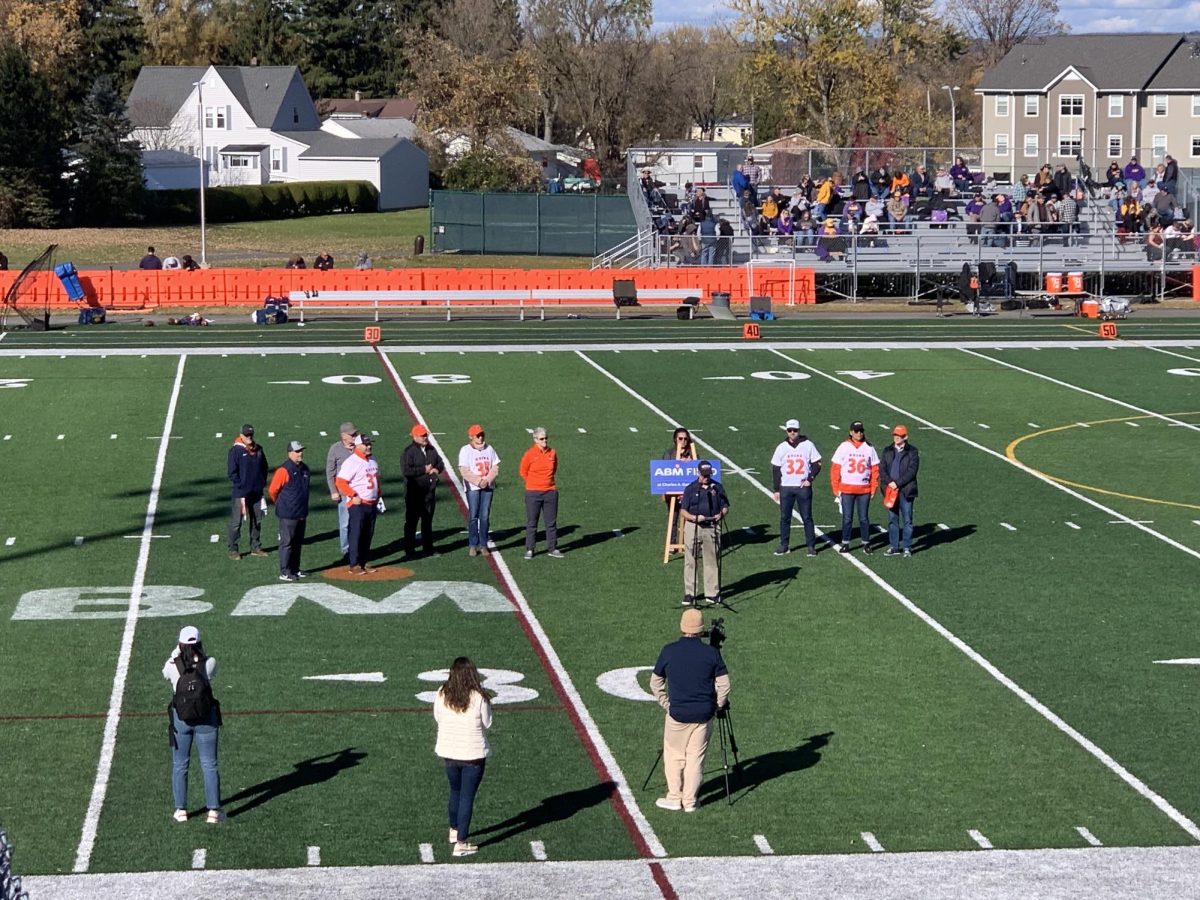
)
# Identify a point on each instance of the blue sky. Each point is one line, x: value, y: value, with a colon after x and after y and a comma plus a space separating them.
x: 1082, y: 15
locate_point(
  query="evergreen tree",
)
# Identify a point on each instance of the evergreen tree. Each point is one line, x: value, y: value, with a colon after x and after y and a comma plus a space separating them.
x: 260, y: 30
x: 114, y: 44
x: 30, y: 141
x: 108, y: 186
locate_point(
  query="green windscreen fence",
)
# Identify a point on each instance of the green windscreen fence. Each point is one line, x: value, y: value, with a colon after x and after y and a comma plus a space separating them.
x: 530, y: 224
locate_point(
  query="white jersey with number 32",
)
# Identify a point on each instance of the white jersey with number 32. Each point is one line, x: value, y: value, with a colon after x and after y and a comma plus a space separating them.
x: 795, y: 463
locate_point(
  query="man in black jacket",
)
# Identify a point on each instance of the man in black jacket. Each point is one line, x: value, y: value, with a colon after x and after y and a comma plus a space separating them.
x: 422, y: 467
x: 898, y: 466
x: 247, y: 469
x: 289, y: 492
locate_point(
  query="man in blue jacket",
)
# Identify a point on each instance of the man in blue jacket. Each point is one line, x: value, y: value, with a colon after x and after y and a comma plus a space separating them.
x: 289, y: 492
x: 898, y: 465
x: 248, y: 474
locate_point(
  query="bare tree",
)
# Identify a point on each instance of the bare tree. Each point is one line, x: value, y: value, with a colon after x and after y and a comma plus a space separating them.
x: 156, y: 127
x: 999, y: 25
x: 697, y: 75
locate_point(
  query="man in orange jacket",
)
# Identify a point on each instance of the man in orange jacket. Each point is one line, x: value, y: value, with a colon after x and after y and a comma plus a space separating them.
x: 854, y: 476
x: 538, y: 467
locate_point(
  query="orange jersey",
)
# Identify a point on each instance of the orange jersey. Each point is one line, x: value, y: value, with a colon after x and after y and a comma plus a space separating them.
x: 538, y: 468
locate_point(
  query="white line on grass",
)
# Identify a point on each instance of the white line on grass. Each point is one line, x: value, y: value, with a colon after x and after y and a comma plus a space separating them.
x: 214, y: 538
x: 1083, y: 390
x: 314, y: 856
x: 1071, y: 524
x: 1088, y: 836
x: 426, y: 853
x: 943, y: 526
x: 112, y: 437
x: 603, y: 754
x: 538, y: 849
x: 1057, y: 721
x: 199, y: 858
x: 79, y: 540
x: 760, y: 841
x: 978, y: 838
x: 91, y: 822
x: 871, y: 841
x: 8, y: 542
x: 1005, y: 525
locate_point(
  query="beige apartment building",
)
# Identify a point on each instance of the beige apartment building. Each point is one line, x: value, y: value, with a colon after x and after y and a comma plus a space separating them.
x: 1105, y: 96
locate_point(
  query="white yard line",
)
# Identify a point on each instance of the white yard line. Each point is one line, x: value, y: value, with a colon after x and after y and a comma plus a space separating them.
x: 978, y: 837
x: 426, y: 851
x: 1082, y: 390
x: 538, y: 849
x: 199, y: 858
x: 314, y: 856
x: 91, y: 822
x: 760, y: 841
x: 1057, y: 721
x: 1088, y: 836
x: 871, y: 841
x: 599, y: 746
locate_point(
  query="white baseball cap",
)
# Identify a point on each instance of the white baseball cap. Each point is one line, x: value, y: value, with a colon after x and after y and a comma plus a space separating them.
x: 792, y: 423
x: 189, y: 634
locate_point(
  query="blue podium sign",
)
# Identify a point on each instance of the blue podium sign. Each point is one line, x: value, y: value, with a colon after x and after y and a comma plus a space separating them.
x: 671, y: 476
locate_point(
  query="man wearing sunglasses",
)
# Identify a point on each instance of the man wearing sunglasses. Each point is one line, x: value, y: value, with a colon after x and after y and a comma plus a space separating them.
x: 794, y: 467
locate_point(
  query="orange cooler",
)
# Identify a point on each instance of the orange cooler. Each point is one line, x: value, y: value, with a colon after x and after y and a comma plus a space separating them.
x: 1054, y: 282
x: 1090, y: 309
x: 1075, y: 282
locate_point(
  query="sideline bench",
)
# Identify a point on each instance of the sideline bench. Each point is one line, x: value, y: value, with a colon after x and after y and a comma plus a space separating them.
x: 302, y: 302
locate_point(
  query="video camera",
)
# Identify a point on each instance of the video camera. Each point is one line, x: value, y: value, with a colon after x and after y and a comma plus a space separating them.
x: 715, y: 633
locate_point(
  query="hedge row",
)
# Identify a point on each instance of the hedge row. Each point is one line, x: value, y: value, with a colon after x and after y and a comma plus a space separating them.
x: 252, y: 202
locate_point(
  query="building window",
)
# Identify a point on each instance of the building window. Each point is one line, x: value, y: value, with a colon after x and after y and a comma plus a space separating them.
x: 239, y: 162
x: 1158, y: 146
x: 1068, y: 145
x: 1002, y: 145
x: 697, y: 162
x: 1002, y: 106
x: 1159, y: 102
x: 1195, y: 146
x: 1116, y: 105
x: 295, y: 115
x: 1070, y: 105
x: 1195, y: 105
x: 276, y: 159
x: 1115, y: 146
x: 1031, y: 104
x: 208, y: 117
x: 1031, y: 145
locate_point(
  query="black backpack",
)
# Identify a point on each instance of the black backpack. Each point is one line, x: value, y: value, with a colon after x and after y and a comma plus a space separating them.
x: 193, y: 702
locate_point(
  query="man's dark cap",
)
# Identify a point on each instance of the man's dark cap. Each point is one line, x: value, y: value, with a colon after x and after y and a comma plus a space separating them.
x: 857, y: 426
x: 705, y: 468
x: 247, y: 431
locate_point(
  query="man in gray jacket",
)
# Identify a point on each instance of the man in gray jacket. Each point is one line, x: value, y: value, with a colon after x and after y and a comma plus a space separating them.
x: 339, y: 452
x: 989, y: 219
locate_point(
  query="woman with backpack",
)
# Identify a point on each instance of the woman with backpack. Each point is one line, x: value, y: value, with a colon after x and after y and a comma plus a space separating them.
x: 195, y: 717
x: 463, y: 714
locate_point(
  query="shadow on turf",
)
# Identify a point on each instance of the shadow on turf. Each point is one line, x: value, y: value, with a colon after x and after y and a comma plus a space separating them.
x: 760, y: 769
x: 305, y: 773
x: 742, y: 589
x: 552, y: 809
x: 928, y: 536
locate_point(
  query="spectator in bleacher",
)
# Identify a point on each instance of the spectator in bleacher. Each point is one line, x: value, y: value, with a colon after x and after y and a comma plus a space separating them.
x: 860, y: 186
x: 1043, y: 182
x: 739, y: 182
x: 1185, y: 237
x: 1036, y: 214
x: 805, y: 229
x: 942, y: 182
x: 1155, y: 244
x: 749, y: 212
x: 363, y: 261
x: 799, y: 205
x: 688, y: 241
x: 1020, y: 190
x: 324, y: 261
x: 807, y: 188
x: 897, y: 209
x: 901, y: 183
x: 188, y: 264
x: 295, y: 261
x: 1134, y: 172
x: 1169, y: 180
x: 1150, y: 191
x: 960, y: 174
x: 920, y: 183
x: 1068, y: 216
x: 771, y: 208
x: 830, y: 244
x: 1114, y: 175
x: 989, y: 222
x: 785, y: 228
x: 881, y: 182
x: 753, y: 175
x: 1164, y: 205
x: 1129, y: 216
x: 1005, y: 205
x: 825, y: 197
x: 869, y: 232
x: 1063, y: 182
x: 700, y: 208
x: 781, y: 199
x: 171, y: 262
x: 852, y: 214
x: 150, y: 260
x: 971, y: 211
x: 654, y: 197
x: 689, y: 191
x: 875, y: 207
x: 708, y: 241
x: 724, y: 242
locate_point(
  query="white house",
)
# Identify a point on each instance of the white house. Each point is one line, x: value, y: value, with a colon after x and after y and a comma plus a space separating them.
x: 260, y: 125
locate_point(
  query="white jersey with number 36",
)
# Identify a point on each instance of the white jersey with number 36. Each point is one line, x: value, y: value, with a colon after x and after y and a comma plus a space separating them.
x: 855, y: 462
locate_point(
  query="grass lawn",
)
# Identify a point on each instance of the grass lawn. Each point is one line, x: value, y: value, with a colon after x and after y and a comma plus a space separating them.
x: 387, y: 237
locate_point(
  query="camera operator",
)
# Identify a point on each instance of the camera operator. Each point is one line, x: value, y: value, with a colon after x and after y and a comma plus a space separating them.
x: 691, y: 683
x: 703, y: 506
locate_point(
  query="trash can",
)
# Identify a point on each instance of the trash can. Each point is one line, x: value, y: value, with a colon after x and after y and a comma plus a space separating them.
x: 720, y: 298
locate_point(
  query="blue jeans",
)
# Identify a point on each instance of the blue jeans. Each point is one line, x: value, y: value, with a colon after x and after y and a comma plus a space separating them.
x: 861, y: 503
x: 792, y: 498
x: 344, y: 527
x: 464, y: 777
x: 900, y: 516
x: 205, y: 738
x: 479, y: 507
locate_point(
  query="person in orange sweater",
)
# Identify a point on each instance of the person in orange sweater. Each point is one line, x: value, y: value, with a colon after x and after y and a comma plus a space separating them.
x: 854, y: 476
x: 538, y: 467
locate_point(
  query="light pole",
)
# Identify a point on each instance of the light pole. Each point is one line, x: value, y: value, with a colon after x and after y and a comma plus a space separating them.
x: 199, y: 85
x: 953, y: 123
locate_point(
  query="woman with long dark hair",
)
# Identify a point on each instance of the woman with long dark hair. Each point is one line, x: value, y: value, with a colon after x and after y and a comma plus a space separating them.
x: 463, y: 714
x: 195, y: 718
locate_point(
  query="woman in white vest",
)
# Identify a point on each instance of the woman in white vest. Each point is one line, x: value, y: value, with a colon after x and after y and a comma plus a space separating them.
x: 463, y: 714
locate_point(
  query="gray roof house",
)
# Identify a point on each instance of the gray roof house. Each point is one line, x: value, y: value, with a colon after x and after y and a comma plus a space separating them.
x: 257, y: 124
x: 1106, y: 97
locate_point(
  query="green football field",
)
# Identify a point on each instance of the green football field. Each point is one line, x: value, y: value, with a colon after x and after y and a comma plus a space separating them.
x: 1026, y: 680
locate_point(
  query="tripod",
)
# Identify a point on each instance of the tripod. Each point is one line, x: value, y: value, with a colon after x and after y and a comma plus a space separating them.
x: 728, y: 745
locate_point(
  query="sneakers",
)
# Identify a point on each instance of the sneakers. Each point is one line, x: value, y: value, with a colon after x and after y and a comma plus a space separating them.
x: 555, y: 553
x: 483, y: 551
x: 529, y: 554
x: 812, y: 553
x: 689, y: 809
x: 843, y: 548
x: 781, y: 551
x: 368, y: 570
x: 907, y: 554
x: 286, y: 577
x: 259, y: 551
x: 868, y: 549
x: 462, y: 848
x: 454, y: 835
x: 688, y: 600
x: 301, y: 574
x: 669, y: 803
x: 233, y: 554
x: 891, y: 551
x: 215, y: 817
x: 180, y: 815
x: 357, y: 570
x: 472, y: 552
x: 713, y: 601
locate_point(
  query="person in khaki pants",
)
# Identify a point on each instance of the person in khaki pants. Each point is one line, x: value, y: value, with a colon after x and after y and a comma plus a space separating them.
x: 691, y: 683
x: 702, y: 506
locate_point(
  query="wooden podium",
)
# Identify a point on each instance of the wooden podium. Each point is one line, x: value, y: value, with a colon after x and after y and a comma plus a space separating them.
x: 674, y: 541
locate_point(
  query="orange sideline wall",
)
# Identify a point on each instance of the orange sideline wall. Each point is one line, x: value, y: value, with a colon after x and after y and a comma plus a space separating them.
x: 137, y: 289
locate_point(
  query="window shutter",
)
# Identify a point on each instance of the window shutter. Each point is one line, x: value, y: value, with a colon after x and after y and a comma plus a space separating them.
x: 283, y: 156
x: 228, y: 118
